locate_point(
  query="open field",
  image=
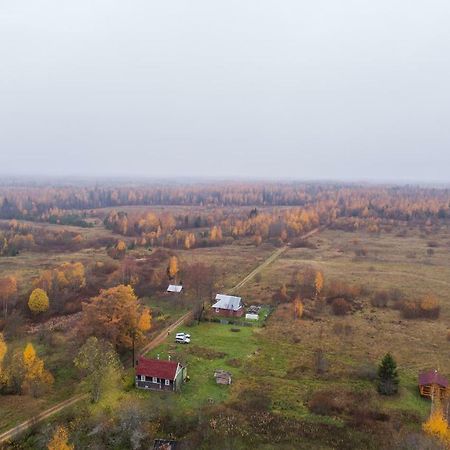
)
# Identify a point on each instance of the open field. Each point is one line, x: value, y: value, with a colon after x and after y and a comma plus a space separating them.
x: 391, y: 262
x: 280, y: 355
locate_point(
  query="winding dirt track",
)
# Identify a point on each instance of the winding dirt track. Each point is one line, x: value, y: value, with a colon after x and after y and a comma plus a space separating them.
x: 14, y: 432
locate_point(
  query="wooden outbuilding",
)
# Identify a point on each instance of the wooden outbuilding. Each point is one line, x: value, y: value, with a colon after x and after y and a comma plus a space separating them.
x: 222, y: 377
x: 432, y: 383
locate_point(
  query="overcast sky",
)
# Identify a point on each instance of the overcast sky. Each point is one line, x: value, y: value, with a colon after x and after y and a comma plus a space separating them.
x: 322, y: 89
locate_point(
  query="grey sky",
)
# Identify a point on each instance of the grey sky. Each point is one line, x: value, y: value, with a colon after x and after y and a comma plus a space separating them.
x: 351, y: 89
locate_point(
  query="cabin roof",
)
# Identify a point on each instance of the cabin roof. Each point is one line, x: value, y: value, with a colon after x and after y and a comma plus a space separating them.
x: 432, y: 377
x: 229, y: 302
x: 174, y: 288
x: 156, y: 368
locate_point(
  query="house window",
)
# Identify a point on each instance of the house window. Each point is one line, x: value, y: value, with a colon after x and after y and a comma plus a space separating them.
x: 142, y: 377
x: 167, y: 382
x: 155, y: 380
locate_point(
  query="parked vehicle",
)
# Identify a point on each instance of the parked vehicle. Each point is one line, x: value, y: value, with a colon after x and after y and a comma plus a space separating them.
x: 182, y: 340
x: 182, y: 335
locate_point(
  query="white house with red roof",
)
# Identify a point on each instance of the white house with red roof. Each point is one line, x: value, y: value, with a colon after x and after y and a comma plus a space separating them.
x: 159, y: 375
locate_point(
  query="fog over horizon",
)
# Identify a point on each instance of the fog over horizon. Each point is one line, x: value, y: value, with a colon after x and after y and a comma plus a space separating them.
x: 325, y: 90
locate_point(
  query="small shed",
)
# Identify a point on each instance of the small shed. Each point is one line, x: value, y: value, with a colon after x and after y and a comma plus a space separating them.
x: 249, y: 316
x: 176, y: 288
x: 222, y: 376
x: 432, y: 382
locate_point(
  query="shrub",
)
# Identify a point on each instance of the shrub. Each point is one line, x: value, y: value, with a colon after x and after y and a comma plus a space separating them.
x: 366, y: 372
x: 340, y: 289
x: 325, y: 403
x: 341, y: 307
x: 428, y: 308
x: 380, y: 299
x: 234, y: 362
x: 395, y: 294
x: 235, y: 330
x: 320, y: 362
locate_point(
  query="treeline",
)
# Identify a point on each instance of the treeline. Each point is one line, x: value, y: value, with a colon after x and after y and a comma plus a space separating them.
x: 213, y: 228
x: 394, y: 202
x: 18, y: 236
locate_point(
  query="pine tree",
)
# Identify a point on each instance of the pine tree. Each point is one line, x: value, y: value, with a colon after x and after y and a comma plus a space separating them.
x: 387, y: 376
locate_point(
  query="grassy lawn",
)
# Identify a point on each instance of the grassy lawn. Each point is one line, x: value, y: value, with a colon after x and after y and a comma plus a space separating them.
x: 213, y: 346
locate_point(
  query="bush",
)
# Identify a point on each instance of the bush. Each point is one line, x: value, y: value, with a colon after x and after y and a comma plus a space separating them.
x: 395, y: 294
x: 325, y: 403
x: 380, y: 299
x: 428, y: 308
x: 366, y: 372
x: 340, y: 289
x: 320, y: 362
x: 341, y: 307
x: 234, y: 362
x: 235, y: 330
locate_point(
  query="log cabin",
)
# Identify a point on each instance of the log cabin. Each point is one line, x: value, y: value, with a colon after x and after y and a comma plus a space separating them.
x: 432, y: 382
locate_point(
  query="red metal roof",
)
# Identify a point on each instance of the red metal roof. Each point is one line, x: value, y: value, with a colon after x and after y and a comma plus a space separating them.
x: 432, y: 377
x: 156, y: 368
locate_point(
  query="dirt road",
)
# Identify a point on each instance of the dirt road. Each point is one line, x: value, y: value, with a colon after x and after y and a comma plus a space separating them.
x: 268, y: 261
x: 13, y: 432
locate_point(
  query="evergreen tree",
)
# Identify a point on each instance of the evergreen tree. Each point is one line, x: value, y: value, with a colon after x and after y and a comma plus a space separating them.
x: 387, y: 376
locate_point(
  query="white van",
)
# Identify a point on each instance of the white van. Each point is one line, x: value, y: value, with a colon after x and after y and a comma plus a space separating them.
x: 182, y: 340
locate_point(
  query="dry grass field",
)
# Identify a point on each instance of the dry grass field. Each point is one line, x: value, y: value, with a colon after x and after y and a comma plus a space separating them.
x: 391, y: 261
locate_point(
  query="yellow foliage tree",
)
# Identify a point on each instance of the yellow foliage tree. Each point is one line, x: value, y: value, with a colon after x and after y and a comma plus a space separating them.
x: 318, y: 283
x: 60, y: 440
x: 173, y: 268
x: 38, y: 301
x: 3, y: 350
x: 113, y: 315
x: 145, y: 320
x: 35, y: 374
x: 437, y: 426
x: 121, y: 246
x: 298, y: 308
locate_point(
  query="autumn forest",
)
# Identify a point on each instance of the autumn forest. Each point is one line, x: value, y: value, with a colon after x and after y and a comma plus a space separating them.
x: 324, y: 272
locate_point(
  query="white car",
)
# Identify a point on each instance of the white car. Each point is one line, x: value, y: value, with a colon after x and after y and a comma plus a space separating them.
x: 182, y: 335
x: 182, y: 340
